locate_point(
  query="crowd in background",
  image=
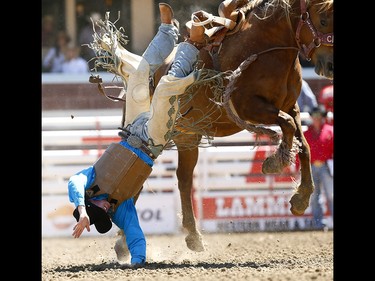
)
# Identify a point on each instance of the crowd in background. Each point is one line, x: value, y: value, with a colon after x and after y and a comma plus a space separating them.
x: 59, y: 54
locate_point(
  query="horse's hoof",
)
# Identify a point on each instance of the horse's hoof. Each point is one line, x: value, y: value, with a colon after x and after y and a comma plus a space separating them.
x: 296, y: 212
x: 121, y: 250
x: 298, y: 204
x: 194, y: 242
x: 272, y: 166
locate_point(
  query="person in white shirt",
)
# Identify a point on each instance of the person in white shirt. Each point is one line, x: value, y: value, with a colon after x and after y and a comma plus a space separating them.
x: 55, y: 56
x: 73, y: 62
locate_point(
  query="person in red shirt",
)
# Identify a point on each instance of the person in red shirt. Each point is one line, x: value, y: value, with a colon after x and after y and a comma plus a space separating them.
x: 319, y: 135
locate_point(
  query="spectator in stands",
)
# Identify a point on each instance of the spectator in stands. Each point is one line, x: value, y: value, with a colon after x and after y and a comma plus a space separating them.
x: 307, y: 99
x: 106, y: 190
x: 56, y: 55
x: 319, y: 136
x: 73, y: 63
x: 48, y: 34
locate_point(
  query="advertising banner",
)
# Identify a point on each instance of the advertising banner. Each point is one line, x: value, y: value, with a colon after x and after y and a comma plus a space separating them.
x: 157, y: 213
x: 247, y: 211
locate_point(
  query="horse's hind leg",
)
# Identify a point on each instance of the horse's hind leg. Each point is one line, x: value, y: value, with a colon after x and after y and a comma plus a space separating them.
x: 288, y: 148
x: 187, y: 160
x: 300, y: 200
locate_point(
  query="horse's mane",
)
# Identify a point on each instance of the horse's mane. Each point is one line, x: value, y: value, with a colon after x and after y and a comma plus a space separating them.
x: 270, y: 6
x: 326, y: 5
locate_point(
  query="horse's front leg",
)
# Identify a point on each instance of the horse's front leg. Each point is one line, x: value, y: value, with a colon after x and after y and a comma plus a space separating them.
x: 187, y: 160
x: 288, y: 148
x: 300, y: 200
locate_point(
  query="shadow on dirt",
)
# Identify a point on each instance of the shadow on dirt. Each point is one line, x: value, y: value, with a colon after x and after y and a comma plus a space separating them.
x: 155, y: 265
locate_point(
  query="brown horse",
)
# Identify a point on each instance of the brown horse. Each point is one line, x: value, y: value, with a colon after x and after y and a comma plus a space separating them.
x: 250, y: 80
x: 262, y: 88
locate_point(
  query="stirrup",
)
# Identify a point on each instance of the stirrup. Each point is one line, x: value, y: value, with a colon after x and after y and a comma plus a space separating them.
x: 211, y: 20
x: 201, y: 43
x: 211, y: 23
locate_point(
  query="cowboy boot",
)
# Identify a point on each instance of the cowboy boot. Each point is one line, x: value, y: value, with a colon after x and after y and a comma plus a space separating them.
x: 166, y: 13
x: 164, y: 41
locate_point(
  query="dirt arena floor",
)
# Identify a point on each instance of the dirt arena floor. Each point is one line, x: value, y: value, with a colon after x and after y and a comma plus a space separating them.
x: 292, y: 256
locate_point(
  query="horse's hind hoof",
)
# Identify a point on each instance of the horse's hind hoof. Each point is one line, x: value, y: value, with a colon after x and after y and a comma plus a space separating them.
x: 272, y: 166
x: 296, y: 212
x: 298, y: 205
x: 121, y: 249
x: 194, y: 242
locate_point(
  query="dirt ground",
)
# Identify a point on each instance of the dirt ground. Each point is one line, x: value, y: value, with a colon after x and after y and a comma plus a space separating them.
x: 269, y: 256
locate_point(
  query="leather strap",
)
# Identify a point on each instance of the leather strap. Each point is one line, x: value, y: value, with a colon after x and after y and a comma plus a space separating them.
x: 207, y: 18
x: 96, y: 79
x: 136, y: 142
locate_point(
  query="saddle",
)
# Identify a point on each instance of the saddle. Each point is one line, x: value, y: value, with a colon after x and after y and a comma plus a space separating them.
x: 229, y: 21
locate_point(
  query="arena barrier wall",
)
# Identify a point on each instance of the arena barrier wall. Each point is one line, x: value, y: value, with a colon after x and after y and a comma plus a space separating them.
x: 230, y: 192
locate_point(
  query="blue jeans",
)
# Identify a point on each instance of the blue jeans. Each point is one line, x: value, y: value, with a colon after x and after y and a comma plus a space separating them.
x: 182, y: 66
x: 323, y: 183
x: 186, y: 57
x: 161, y: 46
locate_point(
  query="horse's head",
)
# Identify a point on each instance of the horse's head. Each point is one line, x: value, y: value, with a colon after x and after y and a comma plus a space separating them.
x: 315, y: 35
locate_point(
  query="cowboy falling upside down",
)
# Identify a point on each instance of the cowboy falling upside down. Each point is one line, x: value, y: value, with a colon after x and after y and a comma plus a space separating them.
x: 104, y: 192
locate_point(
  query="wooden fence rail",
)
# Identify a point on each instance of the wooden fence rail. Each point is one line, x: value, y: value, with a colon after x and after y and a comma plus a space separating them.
x: 69, y: 145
